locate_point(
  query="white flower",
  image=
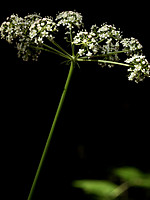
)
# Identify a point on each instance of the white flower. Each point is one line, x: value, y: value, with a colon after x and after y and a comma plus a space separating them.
x: 81, y: 52
x: 89, y: 54
x: 95, y: 50
x: 36, y: 25
x: 16, y: 30
x: 48, y: 28
x: 139, y: 68
x: 131, y: 45
x: 69, y: 19
x: 91, y: 46
x: 42, y: 24
x: 44, y: 33
x: 33, y: 33
x: 44, y: 27
x: 93, y: 40
x: 40, y: 39
x: 84, y: 41
x: 99, y: 43
x: 76, y: 41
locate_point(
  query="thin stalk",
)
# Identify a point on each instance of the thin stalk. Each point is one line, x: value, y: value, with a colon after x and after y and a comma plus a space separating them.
x: 104, y: 61
x: 71, y: 40
x: 105, y: 55
x: 51, y: 51
x: 51, y: 131
x: 120, y: 189
x: 56, y: 51
x: 58, y: 46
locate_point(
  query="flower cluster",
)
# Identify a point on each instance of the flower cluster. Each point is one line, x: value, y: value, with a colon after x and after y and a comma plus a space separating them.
x: 107, y: 43
x: 11, y: 28
x: 69, y: 19
x: 87, y: 42
x: 139, y: 68
x: 24, y: 42
x: 103, y: 44
x: 99, y: 41
x: 16, y: 30
x: 106, y: 31
x: 131, y: 46
x: 27, y: 32
x: 42, y: 28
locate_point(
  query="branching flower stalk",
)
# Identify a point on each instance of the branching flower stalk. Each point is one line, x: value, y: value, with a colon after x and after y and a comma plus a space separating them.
x: 33, y: 34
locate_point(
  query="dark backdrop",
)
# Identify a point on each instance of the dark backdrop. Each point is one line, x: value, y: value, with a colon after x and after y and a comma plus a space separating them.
x: 104, y: 122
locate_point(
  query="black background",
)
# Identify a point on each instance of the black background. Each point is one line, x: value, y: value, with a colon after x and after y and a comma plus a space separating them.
x: 104, y: 122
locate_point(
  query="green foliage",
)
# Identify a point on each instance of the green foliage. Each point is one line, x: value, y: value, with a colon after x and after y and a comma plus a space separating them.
x: 107, y: 190
x: 133, y: 176
x: 98, y: 188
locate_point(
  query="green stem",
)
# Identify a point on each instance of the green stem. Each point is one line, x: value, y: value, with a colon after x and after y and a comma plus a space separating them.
x: 71, y: 40
x: 104, y: 61
x: 51, y: 50
x: 120, y: 189
x: 56, y: 51
x: 52, y: 130
x: 58, y: 46
x: 105, y: 55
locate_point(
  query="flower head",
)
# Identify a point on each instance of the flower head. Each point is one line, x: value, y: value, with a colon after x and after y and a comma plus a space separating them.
x: 42, y: 28
x: 16, y: 30
x: 99, y: 41
x: 103, y: 44
x: 131, y: 46
x: 106, y: 31
x: 11, y: 28
x: 70, y: 19
x: 139, y: 68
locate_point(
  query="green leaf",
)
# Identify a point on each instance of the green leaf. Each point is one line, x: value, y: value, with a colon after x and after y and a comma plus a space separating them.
x: 144, y: 181
x: 133, y: 176
x: 128, y: 173
x: 99, y: 188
